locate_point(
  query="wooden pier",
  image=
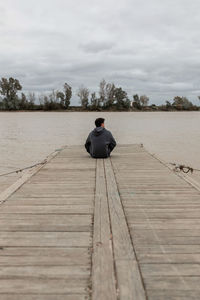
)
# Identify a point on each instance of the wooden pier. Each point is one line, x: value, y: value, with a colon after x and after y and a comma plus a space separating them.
x: 123, y: 228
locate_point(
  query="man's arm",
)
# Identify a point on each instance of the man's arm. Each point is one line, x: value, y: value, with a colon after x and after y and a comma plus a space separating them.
x: 87, y: 144
x: 112, y: 142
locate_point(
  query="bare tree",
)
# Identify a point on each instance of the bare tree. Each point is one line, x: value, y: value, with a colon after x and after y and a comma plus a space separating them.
x: 144, y: 100
x: 102, y: 91
x: 68, y: 94
x: 110, y: 94
x: 83, y: 94
x: 53, y: 96
x: 61, y: 96
x: 31, y: 100
x: 23, y: 103
x: 94, y: 100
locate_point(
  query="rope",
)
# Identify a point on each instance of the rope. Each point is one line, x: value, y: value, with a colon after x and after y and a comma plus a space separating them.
x: 183, y: 168
x: 20, y: 170
x: 177, y: 167
x: 30, y: 167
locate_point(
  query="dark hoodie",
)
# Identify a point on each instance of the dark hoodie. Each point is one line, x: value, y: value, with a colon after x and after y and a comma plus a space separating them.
x: 100, y: 143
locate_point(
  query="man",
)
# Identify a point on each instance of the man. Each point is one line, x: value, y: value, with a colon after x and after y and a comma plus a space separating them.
x: 100, y: 141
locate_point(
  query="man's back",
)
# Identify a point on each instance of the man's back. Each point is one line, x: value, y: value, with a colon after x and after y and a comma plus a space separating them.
x: 100, y: 143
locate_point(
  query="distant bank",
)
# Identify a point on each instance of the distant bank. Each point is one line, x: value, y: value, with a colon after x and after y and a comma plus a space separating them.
x: 109, y: 98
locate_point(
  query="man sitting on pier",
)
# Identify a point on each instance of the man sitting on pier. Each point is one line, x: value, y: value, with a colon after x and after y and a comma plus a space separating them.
x: 100, y: 141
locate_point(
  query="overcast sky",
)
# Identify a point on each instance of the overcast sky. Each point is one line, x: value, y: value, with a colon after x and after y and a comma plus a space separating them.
x: 146, y: 46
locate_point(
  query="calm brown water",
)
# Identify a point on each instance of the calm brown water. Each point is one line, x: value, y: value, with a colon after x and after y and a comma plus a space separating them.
x: 27, y: 137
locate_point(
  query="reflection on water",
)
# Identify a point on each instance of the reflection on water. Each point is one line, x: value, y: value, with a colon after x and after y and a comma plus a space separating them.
x: 28, y: 137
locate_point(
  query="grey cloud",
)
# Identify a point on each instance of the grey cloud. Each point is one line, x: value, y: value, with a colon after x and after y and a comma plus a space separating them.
x: 95, y: 47
x: 147, y: 47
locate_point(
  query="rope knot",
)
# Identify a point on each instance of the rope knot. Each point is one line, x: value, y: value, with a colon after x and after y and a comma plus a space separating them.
x: 183, y: 168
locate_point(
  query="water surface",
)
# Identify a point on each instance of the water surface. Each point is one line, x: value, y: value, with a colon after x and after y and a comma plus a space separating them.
x: 28, y: 137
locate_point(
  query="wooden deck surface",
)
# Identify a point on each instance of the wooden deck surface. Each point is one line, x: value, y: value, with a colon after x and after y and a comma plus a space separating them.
x: 125, y: 228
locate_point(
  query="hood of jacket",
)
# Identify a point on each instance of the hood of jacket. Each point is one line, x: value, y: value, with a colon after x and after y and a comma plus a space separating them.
x: 98, y: 131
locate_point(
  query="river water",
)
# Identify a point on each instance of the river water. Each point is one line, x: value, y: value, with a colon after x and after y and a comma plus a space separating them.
x: 28, y: 137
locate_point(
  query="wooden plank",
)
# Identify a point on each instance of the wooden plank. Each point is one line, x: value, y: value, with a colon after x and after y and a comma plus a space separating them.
x: 159, y: 258
x: 162, y: 233
x: 121, y: 239
x: 47, y: 272
x: 40, y: 256
x: 173, y: 248
x: 103, y: 277
x: 51, y: 201
x: 45, y: 239
x: 46, y: 194
x: 67, y: 197
x: 166, y: 283
x: 173, y: 294
x: 163, y: 215
x: 71, y: 260
x: 43, y: 297
x: 166, y: 224
x: 48, y: 209
x: 24, y: 222
x: 43, y: 286
x: 168, y: 240
x: 128, y: 276
x: 170, y: 269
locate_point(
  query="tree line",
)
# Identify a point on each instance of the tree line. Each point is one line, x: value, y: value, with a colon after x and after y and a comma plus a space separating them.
x: 109, y: 97
x: 11, y: 99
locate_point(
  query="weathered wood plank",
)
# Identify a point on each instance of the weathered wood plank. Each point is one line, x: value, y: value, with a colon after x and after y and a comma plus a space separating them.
x: 43, y: 239
x: 166, y: 224
x: 41, y: 256
x: 123, y: 248
x: 160, y: 258
x: 173, y: 283
x: 128, y: 276
x: 43, y: 286
x: 47, y: 272
x: 167, y: 294
x: 103, y: 277
x: 160, y: 248
x: 170, y: 269
x: 24, y: 222
x: 48, y: 209
x: 51, y: 201
x: 43, y: 297
x: 162, y: 233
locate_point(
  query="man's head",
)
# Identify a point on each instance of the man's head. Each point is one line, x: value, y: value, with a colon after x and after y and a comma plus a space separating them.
x: 99, y: 122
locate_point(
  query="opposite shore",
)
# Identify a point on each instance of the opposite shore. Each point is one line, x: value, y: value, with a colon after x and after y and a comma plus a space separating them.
x: 109, y: 98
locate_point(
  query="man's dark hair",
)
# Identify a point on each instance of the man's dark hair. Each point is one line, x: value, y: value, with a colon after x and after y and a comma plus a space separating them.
x: 99, y: 121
